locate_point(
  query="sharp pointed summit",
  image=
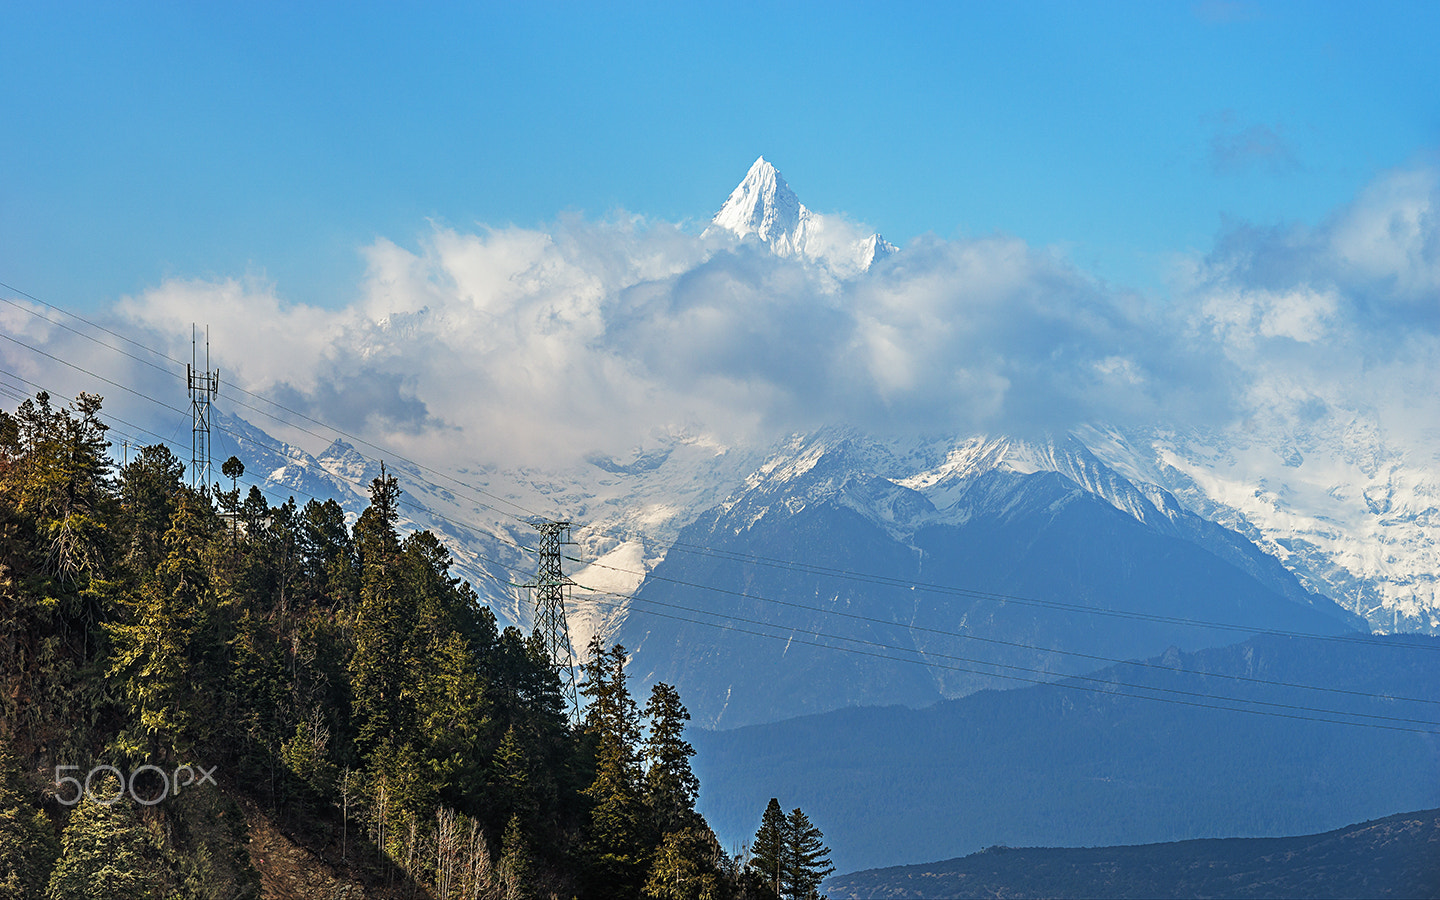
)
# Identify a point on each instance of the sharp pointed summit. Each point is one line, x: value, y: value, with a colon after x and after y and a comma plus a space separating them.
x: 763, y: 205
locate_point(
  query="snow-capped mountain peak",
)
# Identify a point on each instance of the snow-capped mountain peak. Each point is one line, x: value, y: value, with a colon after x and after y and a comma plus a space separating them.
x: 764, y: 206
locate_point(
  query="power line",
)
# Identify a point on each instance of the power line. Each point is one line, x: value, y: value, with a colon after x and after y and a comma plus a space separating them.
x: 236, y: 437
x: 872, y: 620
x: 1064, y: 683
x: 1018, y: 668
x: 1007, y: 598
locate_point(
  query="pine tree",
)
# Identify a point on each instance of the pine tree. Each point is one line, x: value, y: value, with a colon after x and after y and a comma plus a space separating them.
x: 65, y: 484
x: 107, y: 852
x: 168, y: 653
x: 517, y: 866
x: 670, y: 785
x: 807, y: 859
x: 149, y: 489
x: 379, y: 668
x: 617, y: 839
x: 768, y: 853
x: 328, y: 563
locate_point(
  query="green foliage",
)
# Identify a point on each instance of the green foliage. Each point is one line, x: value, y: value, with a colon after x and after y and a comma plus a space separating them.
x: 329, y: 568
x: 380, y: 666
x: 807, y: 859
x: 64, y: 484
x: 670, y: 785
x: 517, y: 865
x: 789, y: 854
x: 174, y: 640
x: 689, y: 865
x: 618, y: 838
x: 28, y: 848
x: 150, y: 488
x: 767, y: 853
x: 107, y: 852
x: 342, y: 680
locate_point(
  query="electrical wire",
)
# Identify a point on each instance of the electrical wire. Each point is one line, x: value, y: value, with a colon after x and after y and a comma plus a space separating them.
x: 1067, y: 682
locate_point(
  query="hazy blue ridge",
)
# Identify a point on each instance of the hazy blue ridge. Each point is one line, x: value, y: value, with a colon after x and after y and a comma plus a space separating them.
x: 1397, y: 856
x: 1087, y: 765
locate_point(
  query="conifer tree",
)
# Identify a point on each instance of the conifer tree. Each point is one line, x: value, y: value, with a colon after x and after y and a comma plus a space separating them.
x: 687, y: 866
x: 65, y: 484
x: 379, y: 668
x: 517, y: 866
x: 807, y: 859
x: 150, y: 486
x: 617, y: 839
x: 106, y: 852
x: 670, y: 785
x: 329, y: 566
x: 172, y: 642
x: 768, y: 853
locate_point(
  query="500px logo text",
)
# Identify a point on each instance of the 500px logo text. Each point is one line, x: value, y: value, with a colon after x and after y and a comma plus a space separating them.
x: 158, y: 785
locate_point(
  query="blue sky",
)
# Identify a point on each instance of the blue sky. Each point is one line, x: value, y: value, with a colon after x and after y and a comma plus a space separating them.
x: 146, y: 142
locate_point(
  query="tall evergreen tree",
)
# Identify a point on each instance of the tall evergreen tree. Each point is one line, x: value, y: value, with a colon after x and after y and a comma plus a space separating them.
x: 150, y: 486
x: 379, y: 668
x: 617, y: 840
x: 65, y: 484
x: 329, y: 566
x: 670, y: 785
x: 173, y: 641
x: 767, y: 854
x: 807, y: 859
x: 687, y: 866
x: 106, y: 853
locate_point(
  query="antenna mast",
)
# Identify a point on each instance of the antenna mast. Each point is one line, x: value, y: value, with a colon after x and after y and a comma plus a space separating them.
x: 203, y: 388
x: 550, y: 590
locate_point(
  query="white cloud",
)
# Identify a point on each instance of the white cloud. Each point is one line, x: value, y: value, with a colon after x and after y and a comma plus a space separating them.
x: 519, y: 345
x: 1339, y: 320
x: 537, y: 346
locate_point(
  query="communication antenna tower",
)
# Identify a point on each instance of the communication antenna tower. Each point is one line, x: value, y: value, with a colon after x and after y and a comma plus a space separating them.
x: 203, y: 388
x: 550, y: 590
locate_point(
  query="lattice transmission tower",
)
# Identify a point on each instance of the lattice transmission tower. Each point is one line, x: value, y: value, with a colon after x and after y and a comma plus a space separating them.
x: 550, y: 590
x: 203, y: 387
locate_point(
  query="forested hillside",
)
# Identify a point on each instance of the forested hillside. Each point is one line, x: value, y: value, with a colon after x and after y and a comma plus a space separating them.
x: 220, y: 664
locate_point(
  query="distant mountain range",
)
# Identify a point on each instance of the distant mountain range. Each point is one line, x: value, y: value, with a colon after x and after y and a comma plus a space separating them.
x: 1397, y: 856
x: 1350, y: 518
x: 1217, y: 743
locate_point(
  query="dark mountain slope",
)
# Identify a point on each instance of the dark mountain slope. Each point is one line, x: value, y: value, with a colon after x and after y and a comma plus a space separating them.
x: 1038, y: 536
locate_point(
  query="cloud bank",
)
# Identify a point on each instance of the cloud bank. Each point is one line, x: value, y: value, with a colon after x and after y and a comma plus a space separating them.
x: 513, y: 346
x: 1343, y: 317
